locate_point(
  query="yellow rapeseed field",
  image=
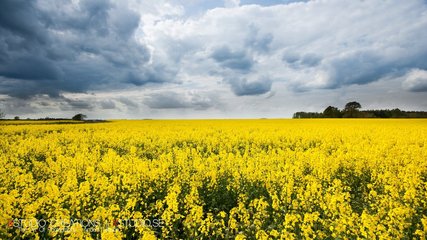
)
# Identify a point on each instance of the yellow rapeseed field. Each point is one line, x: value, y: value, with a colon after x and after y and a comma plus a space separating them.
x: 214, y: 179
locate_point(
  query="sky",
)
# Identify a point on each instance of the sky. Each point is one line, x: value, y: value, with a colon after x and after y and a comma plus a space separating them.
x: 210, y: 59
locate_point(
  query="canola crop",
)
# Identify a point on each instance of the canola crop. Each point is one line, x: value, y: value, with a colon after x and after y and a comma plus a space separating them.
x: 215, y: 179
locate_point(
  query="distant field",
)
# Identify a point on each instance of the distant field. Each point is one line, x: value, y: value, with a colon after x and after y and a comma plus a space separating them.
x: 215, y: 179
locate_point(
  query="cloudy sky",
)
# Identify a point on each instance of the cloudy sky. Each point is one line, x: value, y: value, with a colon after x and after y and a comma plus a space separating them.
x: 210, y: 59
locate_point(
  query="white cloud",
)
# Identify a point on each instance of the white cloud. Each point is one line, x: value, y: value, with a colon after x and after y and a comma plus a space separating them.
x: 331, y: 43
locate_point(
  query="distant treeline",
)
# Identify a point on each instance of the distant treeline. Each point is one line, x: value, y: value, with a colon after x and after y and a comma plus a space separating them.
x: 78, y: 118
x: 351, y: 110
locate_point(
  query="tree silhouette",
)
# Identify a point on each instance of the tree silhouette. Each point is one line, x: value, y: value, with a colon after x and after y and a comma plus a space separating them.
x: 352, y: 106
x: 331, y: 112
x: 2, y: 115
x: 79, y: 117
x: 351, y: 109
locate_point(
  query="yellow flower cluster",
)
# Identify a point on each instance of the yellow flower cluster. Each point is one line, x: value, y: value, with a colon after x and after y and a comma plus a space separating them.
x: 215, y: 179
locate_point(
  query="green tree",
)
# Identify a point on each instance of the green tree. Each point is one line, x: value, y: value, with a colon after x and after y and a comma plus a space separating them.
x: 352, y: 106
x: 79, y: 117
x: 331, y: 112
x: 351, y: 109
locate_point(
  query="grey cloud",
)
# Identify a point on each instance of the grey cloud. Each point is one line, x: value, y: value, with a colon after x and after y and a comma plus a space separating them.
x: 358, y: 68
x: 29, y: 67
x: 125, y: 21
x: 177, y: 49
x: 415, y: 80
x: 290, y: 57
x: 348, y: 51
x: 298, y: 61
x: 45, y: 103
x: 128, y: 102
x: 58, y: 47
x: 108, y: 104
x: 54, y: 47
x: 89, y: 16
x: 156, y: 74
x: 257, y: 41
x: 166, y: 100
x: 97, y: 15
x: 310, y: 60
x: 16, y: 106
x: 236, y: 60
x: 25, y: 89
x: 200, y: 102
x: 243, y: 62
x: 71, y: 104
x: 362, y: 67
x: 172, y: 100
x: 269, y: 2
x: 353, y: 67
x: 137, y: 79
x: 17, y: 17
x: 243, y: 87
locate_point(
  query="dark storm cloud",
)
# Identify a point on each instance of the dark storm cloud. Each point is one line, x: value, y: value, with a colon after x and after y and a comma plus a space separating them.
x: 57, y: 47
x: 26, y: 88
x: 243, y: 87
x: 235, y: 60
x: 19, y: 17
x: 30, y: 68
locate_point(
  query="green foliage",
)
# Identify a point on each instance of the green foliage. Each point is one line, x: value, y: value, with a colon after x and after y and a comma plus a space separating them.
x: 307, y: 115
x: 79, y: 117
x: 332, y: 112
x: 352, y: 106
x: 351, y: 110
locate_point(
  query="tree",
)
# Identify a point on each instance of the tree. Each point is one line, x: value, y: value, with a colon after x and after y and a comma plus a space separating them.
x: 351, y: 109
x: 79, y: 117
x: 352, y: 106
x: 331, y: 112
x: 397, y: 113
x: 16, y: 118
x: 307, y: 115
x: 2, y: 115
